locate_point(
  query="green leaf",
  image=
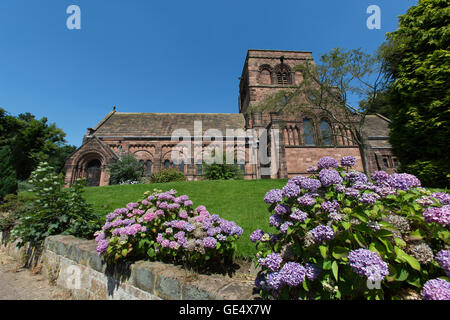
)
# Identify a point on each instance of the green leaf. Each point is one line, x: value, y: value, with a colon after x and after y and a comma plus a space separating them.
x: 340, y: 252
x: 335, y: 268
x: 357, y: 236
x: 124, y: 252
x: 323, y: 251
x: 400, y: 242
x: 403, y: 256
x: 403, y: 275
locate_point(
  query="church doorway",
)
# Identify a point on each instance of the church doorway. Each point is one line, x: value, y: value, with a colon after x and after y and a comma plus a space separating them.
x: 93, y: 173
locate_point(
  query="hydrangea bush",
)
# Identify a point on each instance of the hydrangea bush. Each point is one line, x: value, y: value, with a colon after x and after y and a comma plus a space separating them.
x: 342, y: 235
x: 166, y: 227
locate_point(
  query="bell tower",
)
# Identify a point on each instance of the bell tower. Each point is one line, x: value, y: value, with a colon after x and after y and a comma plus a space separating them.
x: 267, y: 71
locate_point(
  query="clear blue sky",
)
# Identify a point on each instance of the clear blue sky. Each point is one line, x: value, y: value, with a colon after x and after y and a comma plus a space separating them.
x: 160, y: 56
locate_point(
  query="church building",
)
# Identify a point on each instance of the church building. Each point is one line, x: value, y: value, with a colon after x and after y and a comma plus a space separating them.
x: 302, y: 138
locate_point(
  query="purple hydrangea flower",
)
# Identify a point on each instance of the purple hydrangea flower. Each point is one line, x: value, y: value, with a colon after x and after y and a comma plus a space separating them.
x: 311, y: 169
x: 312, y: 271
x: 436, y: 289
x: 298, y: 215
x: 102, y: 245
x: 256, y: 235
x: 310, y: 184
x: 296, y: 180
x: 329, y: 177
x: 339, y: 188
x: 274, y: 281
x: 322, y: 232
x: 438, y: 215
x: 221, y: 237
x: 210, y: 242
x: 330, y: 206
x: 350, y: 192
x: 282, y: 209
x: 380, y: 177
x: 403, y: 181
x: 443, y: 259
x: 275, y: 220
x: 272, y: 261
x: 369, y: 198
x: 290, y: 190
x: 327, y: 162
x: 292, y: 274
x: 369, y: 264
x: 355, y: 176
x: 285, y: 226
x: 443, y: 197
x: 306, y: 200
x: 348, y: 161
x: 273, y: 196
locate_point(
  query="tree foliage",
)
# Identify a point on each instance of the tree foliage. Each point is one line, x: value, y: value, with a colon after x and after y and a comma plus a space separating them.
x: 418, y: 59
x: 8, y: 182
x: 127, y: 168
x: 32, y: 141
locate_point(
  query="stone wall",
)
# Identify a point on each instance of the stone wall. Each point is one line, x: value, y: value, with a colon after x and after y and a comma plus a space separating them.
x: 74, y: 265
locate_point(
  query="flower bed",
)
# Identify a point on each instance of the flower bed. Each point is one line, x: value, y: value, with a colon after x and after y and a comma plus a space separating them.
x: 344, y: 236
x: 166, y: 227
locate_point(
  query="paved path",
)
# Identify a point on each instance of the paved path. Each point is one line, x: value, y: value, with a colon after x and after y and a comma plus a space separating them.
x: 17, y: 283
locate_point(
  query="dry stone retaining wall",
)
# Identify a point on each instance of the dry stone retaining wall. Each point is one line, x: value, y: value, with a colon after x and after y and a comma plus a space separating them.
x: 75, y: 266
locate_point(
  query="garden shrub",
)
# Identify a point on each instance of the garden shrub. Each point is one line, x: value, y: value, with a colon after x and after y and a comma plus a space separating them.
x: 166, y: 227
x: 167, y: 175
x: 125, y: 170
x: 12, y: 208
x: 221, y: 171
x: 343, y: 236
x: 54, y: 209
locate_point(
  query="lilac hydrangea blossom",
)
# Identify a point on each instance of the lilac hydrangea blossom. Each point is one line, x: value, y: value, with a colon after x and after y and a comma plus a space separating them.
x: 310, y: 184
x: 369, y: 198
x: 436, y: 289
x: 273, y: 196
x: 355, y: 176
x: 285, y: 226
x: 312, y: 271
x: 290, y: 190
x: 327, y: 162
x: 369, y: 264
x: 311, y: 169
x: 274, y: 280
x: 292, y: 274
x: 438, y: 215
x: 329, y: 177
x: 443, y: 259
x: 348, y: 161
x: 306, y: 200
x: 209, y: 242
x: 272, y: 261
x: 403, y: 181
x: 256, y: 235
x: 282, y: 209
x: 330, y: 206
x: 298, y: 215
x: 275, y: 220
x: 322, y: 232
x: 443, y: 197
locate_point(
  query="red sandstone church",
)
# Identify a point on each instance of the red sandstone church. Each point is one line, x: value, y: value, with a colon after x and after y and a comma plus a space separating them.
x: 303, y: 138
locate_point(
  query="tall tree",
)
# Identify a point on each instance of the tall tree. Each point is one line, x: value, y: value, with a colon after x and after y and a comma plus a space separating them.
x: 8, y: 182
x: 30, y: 141
x: 418, y: 59
x: 326, y: 88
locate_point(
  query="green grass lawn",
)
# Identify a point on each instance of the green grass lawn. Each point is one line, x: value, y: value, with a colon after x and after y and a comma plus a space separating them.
x: 237, y: 200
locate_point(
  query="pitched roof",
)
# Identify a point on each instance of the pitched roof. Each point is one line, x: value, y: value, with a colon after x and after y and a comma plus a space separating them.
x: 376, y: 127
x: 124, y: 124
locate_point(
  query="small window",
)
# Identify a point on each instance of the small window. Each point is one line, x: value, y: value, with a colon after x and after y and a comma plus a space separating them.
x: 325, y: 131
x: 308, y: 132
x: 395, y: 161
x: 283, y: 78
x: 148, y: 167
x: 386, y: 162
x: 166, y: 164
x: 199, y: 169
x: 181, y: 166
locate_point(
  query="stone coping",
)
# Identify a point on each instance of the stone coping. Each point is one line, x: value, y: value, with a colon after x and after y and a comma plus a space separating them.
x: 164, y: 281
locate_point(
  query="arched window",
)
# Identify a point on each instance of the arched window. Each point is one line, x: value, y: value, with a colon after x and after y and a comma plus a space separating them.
x: 325, y: 131
x: 181, y: 166
x: 166, y: 164
x: 308, y: 132
x: 141, y: 162
x: 148, y: 167
x: 283, y: 74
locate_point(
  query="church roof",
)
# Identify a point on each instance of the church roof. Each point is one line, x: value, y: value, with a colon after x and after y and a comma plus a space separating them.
x: 124, y: 124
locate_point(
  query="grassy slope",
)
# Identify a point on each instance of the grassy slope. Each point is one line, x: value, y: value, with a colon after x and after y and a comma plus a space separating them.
x: 239, y: 200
